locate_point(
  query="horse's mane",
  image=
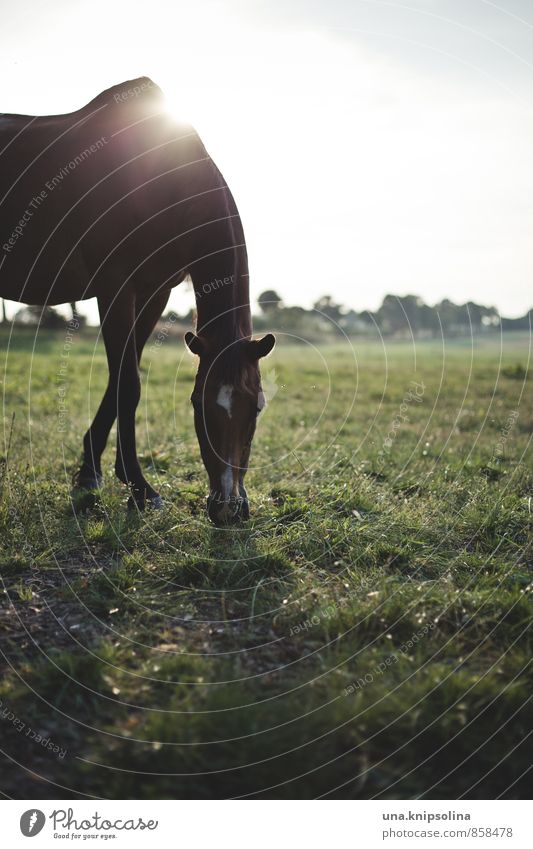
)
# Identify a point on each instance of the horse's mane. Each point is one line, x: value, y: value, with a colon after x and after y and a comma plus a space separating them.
x: 232, y: 326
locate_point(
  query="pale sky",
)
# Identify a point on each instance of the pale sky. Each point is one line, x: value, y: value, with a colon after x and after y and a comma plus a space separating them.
x: 372, y: 147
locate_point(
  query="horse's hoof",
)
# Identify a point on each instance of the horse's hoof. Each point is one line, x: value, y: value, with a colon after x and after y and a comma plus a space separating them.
x: 87, y: 477
x: 87, y: 480
x: 139, y: 503
x: 88, y: 486
x: 84, y: 498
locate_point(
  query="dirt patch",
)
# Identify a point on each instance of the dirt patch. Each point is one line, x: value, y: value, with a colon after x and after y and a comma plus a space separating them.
x: 39, y: 610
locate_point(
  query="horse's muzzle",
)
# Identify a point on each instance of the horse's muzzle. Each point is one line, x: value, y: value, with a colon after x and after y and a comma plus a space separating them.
x: 227, y: 511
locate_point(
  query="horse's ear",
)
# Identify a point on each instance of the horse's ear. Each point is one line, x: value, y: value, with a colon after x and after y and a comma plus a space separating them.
x: 194, y: 343
x: 258, y: 348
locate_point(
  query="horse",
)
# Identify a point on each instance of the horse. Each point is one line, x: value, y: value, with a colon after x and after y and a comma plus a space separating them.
x: 121, y: 202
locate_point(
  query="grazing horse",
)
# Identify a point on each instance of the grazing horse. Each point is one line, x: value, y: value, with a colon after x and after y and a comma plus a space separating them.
x: 120, y: 202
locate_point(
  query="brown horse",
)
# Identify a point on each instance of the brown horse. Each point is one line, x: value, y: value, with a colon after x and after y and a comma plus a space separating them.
x: 120, y: 202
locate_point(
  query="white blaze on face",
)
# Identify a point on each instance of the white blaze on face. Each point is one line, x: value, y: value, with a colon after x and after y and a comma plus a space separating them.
x: 226, y: 480
x: 226, y: 483
x: 224, y: 400
x: 224, y: 397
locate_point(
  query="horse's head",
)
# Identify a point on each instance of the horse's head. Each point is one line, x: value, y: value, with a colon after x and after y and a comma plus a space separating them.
x: 227, y: 398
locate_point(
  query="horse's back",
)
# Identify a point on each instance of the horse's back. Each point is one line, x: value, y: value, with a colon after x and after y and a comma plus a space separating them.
x: 94, y: 193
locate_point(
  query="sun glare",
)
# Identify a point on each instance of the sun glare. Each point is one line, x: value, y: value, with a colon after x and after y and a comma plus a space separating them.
x: 352, y: 167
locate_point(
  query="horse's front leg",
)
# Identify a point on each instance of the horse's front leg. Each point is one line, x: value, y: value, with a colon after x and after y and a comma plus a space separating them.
x: 118, y: 328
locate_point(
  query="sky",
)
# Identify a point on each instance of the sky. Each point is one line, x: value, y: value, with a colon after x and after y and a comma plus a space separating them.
x: 372, y: 147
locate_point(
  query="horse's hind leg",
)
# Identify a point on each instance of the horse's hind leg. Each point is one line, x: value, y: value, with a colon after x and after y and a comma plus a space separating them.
x: 90, y: 474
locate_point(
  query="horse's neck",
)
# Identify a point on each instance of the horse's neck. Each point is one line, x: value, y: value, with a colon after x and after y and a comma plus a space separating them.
x: 224, y: 312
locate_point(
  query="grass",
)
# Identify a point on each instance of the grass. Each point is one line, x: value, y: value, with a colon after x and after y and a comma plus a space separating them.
x: 366, y: 634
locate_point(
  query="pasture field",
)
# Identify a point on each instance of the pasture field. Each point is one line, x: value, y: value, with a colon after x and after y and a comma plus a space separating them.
x: 367, y: 632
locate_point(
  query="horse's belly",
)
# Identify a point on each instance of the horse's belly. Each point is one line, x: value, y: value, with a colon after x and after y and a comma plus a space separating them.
x: 49, y: 279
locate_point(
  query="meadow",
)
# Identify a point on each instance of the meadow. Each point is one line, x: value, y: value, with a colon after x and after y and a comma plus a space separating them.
x: 365, y: 635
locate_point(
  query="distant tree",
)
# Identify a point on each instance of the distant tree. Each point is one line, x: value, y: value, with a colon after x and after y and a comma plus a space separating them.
x: 352, y: 322
x: 327, y: 305
x: 46, y: 317
x: 390, y: 316
x: 291, y: 318
x: 490, y: 317
x: 429, y: 319
x: 269, y: 301
x: 50, y: 318
x: 80, y: 320
x: 397, y: 316
x: 525, y: 322
x: 367, y: 317
x: 449, y: 314
x: 411, y: 306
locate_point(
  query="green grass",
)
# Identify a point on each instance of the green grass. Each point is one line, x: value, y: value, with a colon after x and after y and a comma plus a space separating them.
x: 366, y: 634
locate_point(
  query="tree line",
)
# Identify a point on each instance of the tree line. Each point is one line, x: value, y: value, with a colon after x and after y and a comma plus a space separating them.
x: 398, y: 316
